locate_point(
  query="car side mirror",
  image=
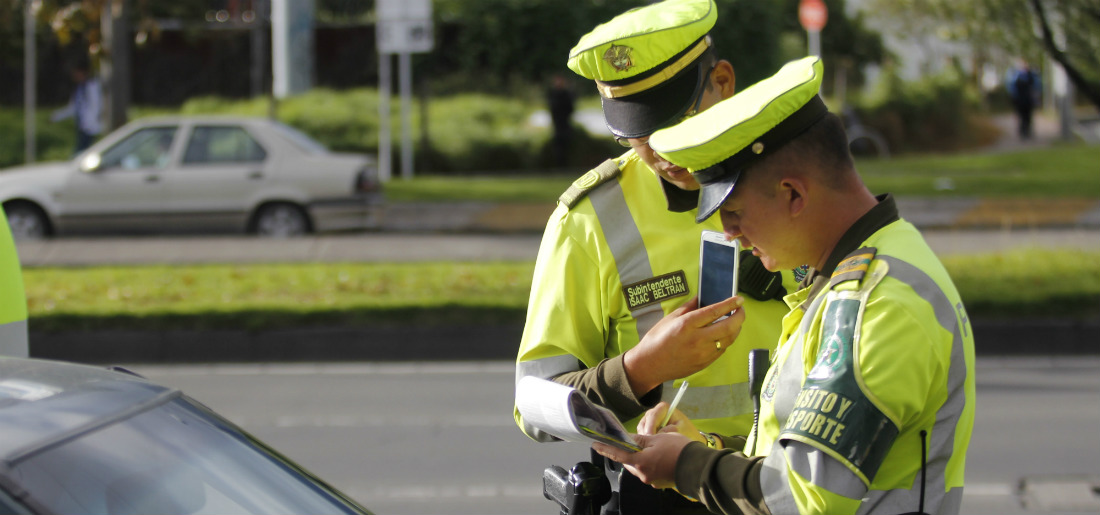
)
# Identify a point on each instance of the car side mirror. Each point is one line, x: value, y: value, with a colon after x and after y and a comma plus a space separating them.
x: 90, y: 163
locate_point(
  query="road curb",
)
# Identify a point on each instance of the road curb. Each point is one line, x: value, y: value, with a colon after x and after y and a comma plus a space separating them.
x: 450, y: 343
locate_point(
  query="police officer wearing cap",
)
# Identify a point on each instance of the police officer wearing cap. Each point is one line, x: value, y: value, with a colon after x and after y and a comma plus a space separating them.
x: 868, y: 406
x: 13, y: 301
x: 612, y: 310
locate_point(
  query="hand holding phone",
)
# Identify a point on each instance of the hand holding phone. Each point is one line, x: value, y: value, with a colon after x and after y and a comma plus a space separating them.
x: 719, y: 260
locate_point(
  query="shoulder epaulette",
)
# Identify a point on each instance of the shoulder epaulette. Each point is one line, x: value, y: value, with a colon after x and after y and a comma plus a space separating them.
x: 607, y: 171
x: 854, y: 266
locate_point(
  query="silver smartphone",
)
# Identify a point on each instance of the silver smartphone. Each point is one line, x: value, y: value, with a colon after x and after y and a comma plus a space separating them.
x: 719, y: 260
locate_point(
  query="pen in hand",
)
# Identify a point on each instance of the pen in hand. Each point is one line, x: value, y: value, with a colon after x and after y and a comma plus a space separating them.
x: 675, y: 402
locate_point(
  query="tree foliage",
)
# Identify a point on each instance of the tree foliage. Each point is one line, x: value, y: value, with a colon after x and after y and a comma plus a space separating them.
x: 847, y: 43
x: 499, y: 46
x: 495, y: 42
x: 1066, y: 31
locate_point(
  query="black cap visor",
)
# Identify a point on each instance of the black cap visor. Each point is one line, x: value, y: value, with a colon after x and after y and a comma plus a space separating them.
x: 642, y: 114
x: 715, y: 192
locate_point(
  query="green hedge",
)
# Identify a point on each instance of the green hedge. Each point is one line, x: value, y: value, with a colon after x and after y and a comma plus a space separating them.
x: 480, y: 133
x: 54, y: 141
x: 941, y: 112
x: 466, y: 133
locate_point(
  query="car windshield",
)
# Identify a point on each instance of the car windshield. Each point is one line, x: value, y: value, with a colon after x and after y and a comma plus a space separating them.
x: 178, y: 458
x: 299, y: 139
x: 148, y: 147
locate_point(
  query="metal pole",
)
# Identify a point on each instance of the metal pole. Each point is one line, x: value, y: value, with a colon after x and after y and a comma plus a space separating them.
x: 259, y: 46
x: 404, y: 62
x: 384, y: 155
x: 814, y: 37
x: 30, y: 76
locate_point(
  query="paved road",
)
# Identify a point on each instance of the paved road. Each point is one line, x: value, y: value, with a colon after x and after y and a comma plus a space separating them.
x: 423, y: 246
x: 430, y: 438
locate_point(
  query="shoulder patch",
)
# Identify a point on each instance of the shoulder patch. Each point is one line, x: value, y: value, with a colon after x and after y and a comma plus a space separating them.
x: 607, y: 171
x: 832, y: 412
x: 854, y: 266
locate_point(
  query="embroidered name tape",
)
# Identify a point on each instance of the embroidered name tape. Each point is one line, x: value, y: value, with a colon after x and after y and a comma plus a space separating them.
x: 655, y: 289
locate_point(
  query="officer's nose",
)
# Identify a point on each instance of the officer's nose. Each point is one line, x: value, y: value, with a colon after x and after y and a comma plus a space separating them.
x: 731, y: 225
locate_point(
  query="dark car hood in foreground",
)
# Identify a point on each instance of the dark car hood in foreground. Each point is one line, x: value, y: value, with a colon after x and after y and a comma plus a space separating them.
x: 43, y: 402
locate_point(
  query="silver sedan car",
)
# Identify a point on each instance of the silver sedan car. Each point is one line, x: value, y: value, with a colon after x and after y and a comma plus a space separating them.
x: 195, y: 174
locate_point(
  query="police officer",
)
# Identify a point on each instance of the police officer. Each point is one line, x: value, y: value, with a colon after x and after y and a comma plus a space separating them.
x: 868, y: 406
x: 620, y: 252
x: 13, y: 301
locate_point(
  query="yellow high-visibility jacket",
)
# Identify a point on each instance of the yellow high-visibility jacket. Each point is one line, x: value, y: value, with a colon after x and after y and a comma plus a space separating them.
x: 874, y: 370
x: 13, y: 299
x: 613, y: 261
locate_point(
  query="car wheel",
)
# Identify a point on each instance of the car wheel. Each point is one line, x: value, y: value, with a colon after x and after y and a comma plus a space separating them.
x: 27, y: 221
x: 281, y: 221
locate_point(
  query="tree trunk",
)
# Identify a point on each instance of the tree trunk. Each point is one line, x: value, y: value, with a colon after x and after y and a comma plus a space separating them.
x: 114, y: 68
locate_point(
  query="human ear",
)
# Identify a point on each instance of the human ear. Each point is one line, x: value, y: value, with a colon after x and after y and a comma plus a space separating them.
x: 793, y: 191
x: 724, y: 78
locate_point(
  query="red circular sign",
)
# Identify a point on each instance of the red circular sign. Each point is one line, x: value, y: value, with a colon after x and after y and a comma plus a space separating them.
x: 812, y: 14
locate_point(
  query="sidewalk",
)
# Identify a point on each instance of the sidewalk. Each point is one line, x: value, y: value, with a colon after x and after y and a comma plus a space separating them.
x: 925, y: 213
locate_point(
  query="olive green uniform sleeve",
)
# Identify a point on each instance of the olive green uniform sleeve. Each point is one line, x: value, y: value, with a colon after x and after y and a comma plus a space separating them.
x: 724, y: 480
x: 607, y: 385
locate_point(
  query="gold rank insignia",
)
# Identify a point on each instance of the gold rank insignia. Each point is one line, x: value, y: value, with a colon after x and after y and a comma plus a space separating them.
x: 854, y: 266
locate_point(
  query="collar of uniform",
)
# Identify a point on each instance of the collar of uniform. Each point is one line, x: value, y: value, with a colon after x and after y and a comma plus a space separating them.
x: 884, y: 213
x: 679, y: 200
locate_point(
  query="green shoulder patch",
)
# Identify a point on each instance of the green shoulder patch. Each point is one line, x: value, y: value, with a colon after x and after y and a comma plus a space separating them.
x: 854, y: 266
x: 832, y: 413
x: 607, y: 171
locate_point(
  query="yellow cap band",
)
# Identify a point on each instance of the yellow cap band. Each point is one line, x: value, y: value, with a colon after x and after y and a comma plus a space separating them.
x: 667, y: 73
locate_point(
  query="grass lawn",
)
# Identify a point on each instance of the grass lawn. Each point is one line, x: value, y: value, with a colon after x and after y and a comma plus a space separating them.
x: 1059, y: 171
x: 1033, y: 283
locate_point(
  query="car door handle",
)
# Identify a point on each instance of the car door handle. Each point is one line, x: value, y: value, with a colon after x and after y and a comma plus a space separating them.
x: 255, y: 175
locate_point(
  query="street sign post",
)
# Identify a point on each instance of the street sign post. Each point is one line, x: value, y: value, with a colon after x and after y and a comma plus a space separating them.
x: 404, y: 27
x: 813, y: 15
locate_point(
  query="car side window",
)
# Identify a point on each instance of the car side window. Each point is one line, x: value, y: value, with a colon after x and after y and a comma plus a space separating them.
x: 222, y: 144
x: 146, y: 148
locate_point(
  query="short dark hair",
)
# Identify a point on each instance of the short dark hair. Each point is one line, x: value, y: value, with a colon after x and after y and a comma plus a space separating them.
x: 824, y: 145
x: 828, y: 140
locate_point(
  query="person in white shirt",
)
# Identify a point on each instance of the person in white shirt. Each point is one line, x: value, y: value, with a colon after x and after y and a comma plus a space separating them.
x: 85, y: 106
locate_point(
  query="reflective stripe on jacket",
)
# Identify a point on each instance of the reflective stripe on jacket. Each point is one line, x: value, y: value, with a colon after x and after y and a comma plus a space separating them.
x: 857, y: 448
